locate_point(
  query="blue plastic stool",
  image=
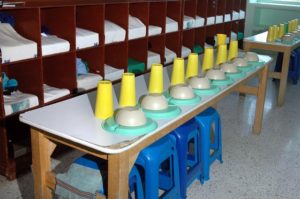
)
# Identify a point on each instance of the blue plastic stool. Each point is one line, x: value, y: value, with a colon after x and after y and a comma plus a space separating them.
x: 135, y: 182
x: 294, y: 65
x: 153, y: 159
x: 206, y: 119
x: 189, y: 161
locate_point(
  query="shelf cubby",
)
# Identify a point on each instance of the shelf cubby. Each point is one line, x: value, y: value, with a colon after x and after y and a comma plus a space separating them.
x: 91, y: 17
x: 141, y: 11
x: 173, y: 42
x: 60, y: 71
x: 212, y: 8
x: 157, y: 44
x: 137, y: 50
x: 220, y: 28
x: 188, y: 38
x: 202, y: 8
x: 157, y: 14
x: 200, y: 36
x: 227, y: 28
x: 190, y: 8
x: 60, y: 21
x: 116, y: 55
x: 174, y: 10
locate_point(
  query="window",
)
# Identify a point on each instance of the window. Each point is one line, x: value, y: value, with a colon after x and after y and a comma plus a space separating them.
x: 282, y: 2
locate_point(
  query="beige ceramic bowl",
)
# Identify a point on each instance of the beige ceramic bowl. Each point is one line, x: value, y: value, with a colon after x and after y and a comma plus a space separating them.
x: 240, y: 62
x: 251, y: 56
x: 154, y: 102
x: 229, y: 67
x: 130, y: 116
x: 199, y: 82
x: 215, y: 74
x: 181, y: 91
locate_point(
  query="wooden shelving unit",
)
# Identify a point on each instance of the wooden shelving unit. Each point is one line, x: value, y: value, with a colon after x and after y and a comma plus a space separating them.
x: 59, y: 70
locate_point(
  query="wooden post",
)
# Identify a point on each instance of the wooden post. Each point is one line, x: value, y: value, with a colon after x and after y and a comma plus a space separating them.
x: 42, y: 149
x: 283, y: 76
x: 260, y: 100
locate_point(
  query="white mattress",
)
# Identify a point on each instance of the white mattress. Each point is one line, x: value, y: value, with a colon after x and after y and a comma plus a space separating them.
x: 227, y: 17
x: 188, y: 22
x: 210, y: 20
x: 199, y: 21
x: 242, y: 14
x: 233, y: 36
x: 219, y: 19
x: 11, y: 44
x: 52, y: 93
x: 52, y: 44
x: 111, y: 73
x: 171, y: 25
x: 86, y: 38
x: 153, y: 58
x: 235, y: 15
x: 154, y: 30
x: 169, y: 56
x: 19, y: 101
x: 136, y: 28
x: 88, y: 81
x: 113, y: 32
x: 185, y: 51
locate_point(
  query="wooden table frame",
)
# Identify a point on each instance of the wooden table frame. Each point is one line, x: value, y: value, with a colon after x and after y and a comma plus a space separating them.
x: 119, y: 165
x: 275, y: 47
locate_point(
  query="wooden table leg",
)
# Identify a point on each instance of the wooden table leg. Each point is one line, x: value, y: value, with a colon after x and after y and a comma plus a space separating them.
x: 260, y: 101
x: 118, y: 171
x: 42, y: 148
x: 283, y: 77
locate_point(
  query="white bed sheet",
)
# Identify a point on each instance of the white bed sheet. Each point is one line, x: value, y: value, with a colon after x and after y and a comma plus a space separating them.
x: 86, y: 38
x: 235, y: 15
x: 19, y: 101
x: 52, y: 44
x: 185, y: 51
x: 169, y: 56
x: 242, y: 14
x: 171, y: 25
x: 136, y: 28
x: 88, y: 81
x: 14, y: 47
x: 52, y: 93
x: 199, y: 21
x: 112, y: 73
x: 210, y: 20
x: 113, y: 32
x: 233, y: 36
x: 188, y: 22
x: 153, y: 58
x: 154, y: 30
x: 227, y: 17
x: 219, y: 19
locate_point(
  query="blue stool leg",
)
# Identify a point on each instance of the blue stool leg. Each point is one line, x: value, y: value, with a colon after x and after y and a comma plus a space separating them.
x: 135, y: 183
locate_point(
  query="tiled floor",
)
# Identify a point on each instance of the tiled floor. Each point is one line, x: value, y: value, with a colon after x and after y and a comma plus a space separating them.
x: 255, y: 167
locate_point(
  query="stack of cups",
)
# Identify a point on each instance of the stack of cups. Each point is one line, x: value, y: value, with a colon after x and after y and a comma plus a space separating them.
x: 178, y: 72
x: 222, y: 54
x: 233, y: 50
x: 192, y: 66
x: 271, y: 33
x: 127, y: 93
x: 276, y: 32
x: 281, y: 30
x: 156, y: 79
x: 221, y: 39
x: 208, y: 59
x: 104, y: 100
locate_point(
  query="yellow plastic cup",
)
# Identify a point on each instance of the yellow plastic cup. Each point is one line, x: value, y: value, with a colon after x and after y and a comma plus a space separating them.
x: 156, y: 84
x: 281, y: 30
x: 127, y: 93
x: 222, y: 54
x: 290, y: 26
x: 177, y: 72
x: 233, y: 50
x: 208, y: 59
x: 192, y: 65
x: 271, y: 33
x: 221, y: 39
x: 276, y: 31
x: 297, y: 23
x: 104, y: 100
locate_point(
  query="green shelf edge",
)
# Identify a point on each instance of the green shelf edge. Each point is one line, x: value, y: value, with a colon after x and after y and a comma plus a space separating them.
x: 210, y: 91
x: 170, y: 112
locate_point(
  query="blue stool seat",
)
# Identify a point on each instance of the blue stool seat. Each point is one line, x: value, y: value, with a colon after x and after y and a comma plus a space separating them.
x: 206, y: 120
x: 189, y: 160
x: 161, y: 171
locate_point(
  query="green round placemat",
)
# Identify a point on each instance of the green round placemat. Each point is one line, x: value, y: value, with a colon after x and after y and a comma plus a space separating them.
x: 182, y: 102
x: 112, y: 126
x: 256, y: 63
x: 224, y: 82
x: 170, y: 112
x: 237, y: 75
x: 246, y: 68
x: 210, y: 91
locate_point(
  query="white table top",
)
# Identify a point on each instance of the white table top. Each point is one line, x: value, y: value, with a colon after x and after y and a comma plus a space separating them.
x: 74, y: 119
x: 262, y: 38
